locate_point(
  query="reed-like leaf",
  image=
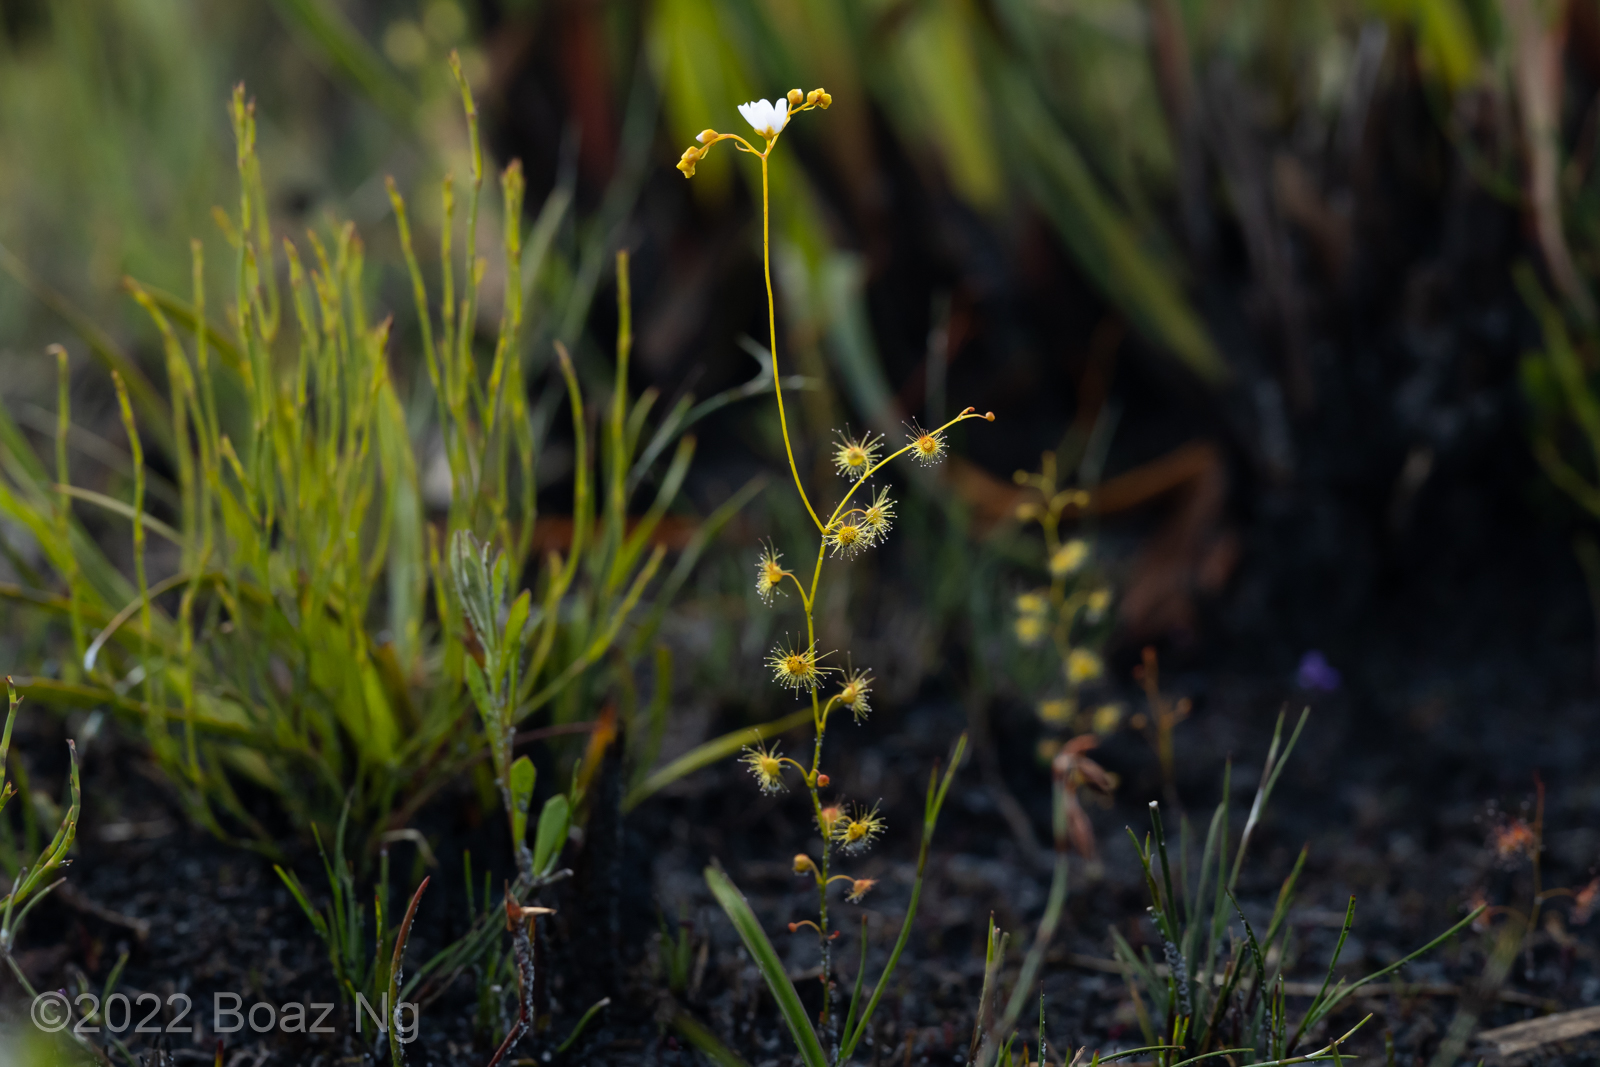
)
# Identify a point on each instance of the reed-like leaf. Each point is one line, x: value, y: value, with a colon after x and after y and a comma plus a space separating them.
x: 771, y: 967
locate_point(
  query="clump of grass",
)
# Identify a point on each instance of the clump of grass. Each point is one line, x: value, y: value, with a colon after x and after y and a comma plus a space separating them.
x: 1203, y: 998
x: 312, y: 631
x: 860, y: 521
x: 365, y: 964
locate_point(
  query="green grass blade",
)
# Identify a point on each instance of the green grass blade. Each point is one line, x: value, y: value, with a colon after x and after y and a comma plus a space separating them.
x: 861, y: 972
x: 1339, y: 996
x: 930, y: 819
x: 344, y: 47
x: 577, y: 1031
x: 771, y: 967
x: 1100, y: 238
x: 1031, y: 963
x: 710, y: 752
x: 701, y: 1037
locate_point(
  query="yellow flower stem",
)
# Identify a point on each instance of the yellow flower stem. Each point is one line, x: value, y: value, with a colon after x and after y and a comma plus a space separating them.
x: 801, y: 589
x: 826, y: 709
x: 772, y: 328
x: 816, y: 575
x: 969, y: 413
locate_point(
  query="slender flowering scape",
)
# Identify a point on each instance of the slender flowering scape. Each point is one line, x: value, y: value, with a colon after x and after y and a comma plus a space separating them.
x: 860, y: 521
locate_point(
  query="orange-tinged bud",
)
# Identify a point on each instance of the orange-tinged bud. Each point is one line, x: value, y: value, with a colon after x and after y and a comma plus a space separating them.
x: 823, y: 780
x: 796, y: 97
x: 859, y: 888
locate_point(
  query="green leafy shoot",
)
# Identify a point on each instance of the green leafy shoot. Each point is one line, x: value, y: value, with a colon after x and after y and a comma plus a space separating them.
x: 1203, y: 999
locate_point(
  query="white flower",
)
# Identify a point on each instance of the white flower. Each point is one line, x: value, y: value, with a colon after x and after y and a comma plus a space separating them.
x: 767, y: 116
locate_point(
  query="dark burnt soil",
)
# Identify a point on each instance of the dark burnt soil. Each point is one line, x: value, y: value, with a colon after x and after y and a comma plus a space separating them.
x: 1389, y: 787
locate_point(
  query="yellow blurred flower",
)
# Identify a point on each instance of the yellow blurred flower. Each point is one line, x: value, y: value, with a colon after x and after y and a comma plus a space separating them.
x: 1083, y: 666
x: 1030, y: 629
x: 1107, y: 717
x: 1058, y: 711
x: 1069, y: 557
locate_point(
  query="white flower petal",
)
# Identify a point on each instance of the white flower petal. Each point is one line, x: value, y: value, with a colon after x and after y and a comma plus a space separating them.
x: 766, y: 117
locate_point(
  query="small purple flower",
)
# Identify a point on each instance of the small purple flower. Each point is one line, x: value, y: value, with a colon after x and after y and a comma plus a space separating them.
x: 1317, y: 673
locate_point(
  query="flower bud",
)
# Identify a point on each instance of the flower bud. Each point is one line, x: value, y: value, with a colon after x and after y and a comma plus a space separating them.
x: 860, y: 887
x: 823, y: 781
x: 706, y: 136
x: 803, y: 864
x: 796, y: 97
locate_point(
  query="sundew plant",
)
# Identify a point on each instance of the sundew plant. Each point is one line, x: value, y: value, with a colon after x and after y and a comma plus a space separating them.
x: 1071, y: 612
x: 860, y: 521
